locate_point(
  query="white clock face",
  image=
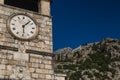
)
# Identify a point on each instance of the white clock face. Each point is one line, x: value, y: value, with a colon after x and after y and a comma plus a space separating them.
x: 22, y: 27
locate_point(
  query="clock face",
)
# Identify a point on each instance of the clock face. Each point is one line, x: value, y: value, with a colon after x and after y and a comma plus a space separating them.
x: 22, y: 27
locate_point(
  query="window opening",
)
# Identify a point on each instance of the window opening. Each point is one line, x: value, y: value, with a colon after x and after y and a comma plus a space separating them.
x: 25, y: 4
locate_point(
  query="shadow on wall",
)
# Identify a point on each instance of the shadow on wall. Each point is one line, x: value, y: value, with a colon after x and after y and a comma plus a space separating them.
x: 25, y: 4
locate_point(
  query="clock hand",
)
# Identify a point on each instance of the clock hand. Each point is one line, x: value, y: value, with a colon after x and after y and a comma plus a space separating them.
x: 23, y: 26
x: 23, y: 30
x: 27, y: 23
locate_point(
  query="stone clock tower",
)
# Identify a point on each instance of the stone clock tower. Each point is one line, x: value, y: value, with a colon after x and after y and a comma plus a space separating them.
x: 26, y: 42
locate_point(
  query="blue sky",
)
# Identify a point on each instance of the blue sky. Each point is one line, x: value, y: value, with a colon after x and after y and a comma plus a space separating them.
x: 77, y: 22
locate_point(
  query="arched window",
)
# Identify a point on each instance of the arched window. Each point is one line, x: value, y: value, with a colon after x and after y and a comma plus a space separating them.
x: 25, y: 4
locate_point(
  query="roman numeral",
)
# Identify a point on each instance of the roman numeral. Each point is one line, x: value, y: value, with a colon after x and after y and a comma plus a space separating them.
x: 23, y: 17
x: 33, y: 28
x: 14, y: 19
x: 31, y: 23
x: 17, y: 32
x: 31, y: 32
x: 14, y: 28
x: 19, y: 18
x: 13, y: 24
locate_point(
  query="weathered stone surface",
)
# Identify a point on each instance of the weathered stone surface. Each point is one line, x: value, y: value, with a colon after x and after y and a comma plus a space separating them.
x: 32, y: 70
x: 15, y: 62
x: 42, y: 42
x: 1, y: 1
x: 36, y: 65
x: 48, y: 66
x: 44, y: 7
x: 39, y: 71
x: 48, y: 76
x: 42, y: 66
x: 34, y: 75
x: 21, y: 56
x: 42, y: 76
x: 2, y: 66
x: 32, y: 59
x: 9, y: 56
x: 4, y: 61
x: 60, y: 76
x: 9, y: 67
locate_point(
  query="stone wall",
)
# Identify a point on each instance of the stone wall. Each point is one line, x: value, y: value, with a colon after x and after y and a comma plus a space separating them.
x: 1, y: 1
x: 14, y: 65
x: 43, y: 41
x: 26, y: 60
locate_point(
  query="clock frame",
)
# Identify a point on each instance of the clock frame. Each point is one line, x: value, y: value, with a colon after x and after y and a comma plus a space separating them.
x: 18, y: 37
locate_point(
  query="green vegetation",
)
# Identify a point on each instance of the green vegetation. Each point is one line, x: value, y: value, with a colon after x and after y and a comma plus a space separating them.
x: 95, y: 65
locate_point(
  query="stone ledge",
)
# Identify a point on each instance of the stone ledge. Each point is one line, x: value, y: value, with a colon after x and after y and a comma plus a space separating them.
x: 39, y: 53
x: 8, y: 48
x: 27, y: 51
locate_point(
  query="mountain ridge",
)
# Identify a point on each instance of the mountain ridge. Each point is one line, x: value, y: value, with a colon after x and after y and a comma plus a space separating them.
x: 93, y: 61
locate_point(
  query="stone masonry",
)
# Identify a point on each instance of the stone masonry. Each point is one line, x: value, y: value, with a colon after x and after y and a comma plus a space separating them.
x: 44, y: 7
x: 2, y: 1
x: 43, y: 41
x: 26, y: 60
x: 27, y: 67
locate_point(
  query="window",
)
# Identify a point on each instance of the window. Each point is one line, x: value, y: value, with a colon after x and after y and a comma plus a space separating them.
x: 25, y: 4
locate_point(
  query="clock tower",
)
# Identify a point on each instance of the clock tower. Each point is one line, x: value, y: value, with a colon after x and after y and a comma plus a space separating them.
x: 26, y: 41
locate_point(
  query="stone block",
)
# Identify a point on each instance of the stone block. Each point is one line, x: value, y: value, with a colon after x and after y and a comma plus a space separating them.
x: 42, y: 66
x: 2, y: 66
x: 34, y: 75
x: 1, y: 20
x: 41, y: 76
x: 60, y: 76
x: 51, y: 71
x: 1, y: 12
x: 35, y: 65
x: 11, y: 62
x: 39, y: 71
x: 9, y: 67
x: 5, y: 72
x: 47, y: 62
x: 6, y: 77
x: 21, y: 56
x: 40, y: 61
x: 1, y: 1
x: 1, y: 76
x: 4, y: 61
x: 32, y: 70
x: 49, y: 77
x: 35, y: 56
x: 32, y: 59
x: 48, y: 66
x: 45, y: 71
x: 44, y: 7
x: 3, y: 55
x: 9, y: 56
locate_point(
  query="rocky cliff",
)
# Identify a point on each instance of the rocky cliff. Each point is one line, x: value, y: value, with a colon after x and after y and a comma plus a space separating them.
x: 94, y: 61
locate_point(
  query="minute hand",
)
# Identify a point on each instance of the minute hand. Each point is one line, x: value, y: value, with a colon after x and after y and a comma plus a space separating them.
x: 27, y: 23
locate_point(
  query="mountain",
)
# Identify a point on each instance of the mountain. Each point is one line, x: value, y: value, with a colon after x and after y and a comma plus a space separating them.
x: 94, y: 61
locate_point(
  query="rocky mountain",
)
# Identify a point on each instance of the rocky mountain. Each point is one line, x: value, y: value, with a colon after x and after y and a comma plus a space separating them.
x: 94, y: 61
